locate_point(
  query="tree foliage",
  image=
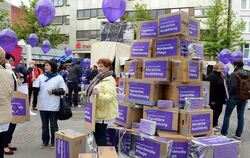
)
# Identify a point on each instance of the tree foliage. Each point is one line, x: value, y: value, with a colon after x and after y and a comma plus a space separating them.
x: 224, y: 30
x: 141, y: 13
x: 33, y: 26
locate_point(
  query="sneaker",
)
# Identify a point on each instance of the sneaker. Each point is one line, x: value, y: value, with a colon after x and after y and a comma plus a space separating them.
x: 236, y: 137
x: 52, y: 146
x: 42, y: 146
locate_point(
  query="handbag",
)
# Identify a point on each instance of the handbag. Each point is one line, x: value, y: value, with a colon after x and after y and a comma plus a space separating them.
x: 64, y: 112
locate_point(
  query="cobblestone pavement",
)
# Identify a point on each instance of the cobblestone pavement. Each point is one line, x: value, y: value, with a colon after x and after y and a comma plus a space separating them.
x: 27, y: 136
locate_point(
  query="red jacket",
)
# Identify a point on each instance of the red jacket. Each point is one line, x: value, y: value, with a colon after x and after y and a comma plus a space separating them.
x: 36, y: 72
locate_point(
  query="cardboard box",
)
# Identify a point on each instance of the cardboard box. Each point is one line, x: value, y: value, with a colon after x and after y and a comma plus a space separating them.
x: 87, y: 155
x: 186, y: 70
x: 148, y: 29
x: 147, y: 127
x: 142, y: 48
x: 144, y: 92
x: 128, y: 113
x: 70, y: 143
x: 20, y: 108
x: 156, y: 69
x: 89, y: 116
x: 179, y: 146
x: 135, y: 126
x: 166, y: 119
x: 196, y: 123
x: 107, y: 152
x: 215, y: 147
x: 177, y: 92
x: 175, y: 47
x: 133, y: 68
x: 122, y: 86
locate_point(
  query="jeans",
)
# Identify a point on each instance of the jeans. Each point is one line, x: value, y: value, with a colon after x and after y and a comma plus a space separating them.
x: 2, y: 136
x: 9, y: 135
x: 73, y: 86
x: 230, y: 105
x: 101, y: 134
x: 46, y: 118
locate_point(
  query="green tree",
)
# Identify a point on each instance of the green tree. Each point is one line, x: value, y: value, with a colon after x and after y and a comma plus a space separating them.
x: 4, y: 18
x: 33, y: 26
x: 224, y: 30
x: 141, y: 14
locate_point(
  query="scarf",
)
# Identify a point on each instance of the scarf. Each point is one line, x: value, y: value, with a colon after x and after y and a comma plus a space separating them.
x: 50, y: 76
x: 95, y: 81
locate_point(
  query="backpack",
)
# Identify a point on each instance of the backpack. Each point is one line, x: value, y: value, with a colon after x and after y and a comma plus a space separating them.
x: 244, y: 91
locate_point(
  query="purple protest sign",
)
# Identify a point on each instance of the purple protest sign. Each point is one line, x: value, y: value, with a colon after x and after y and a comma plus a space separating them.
x: 226, y: 151
x: 188, y: 91
x: 147, y: 149
x: 166, y: 47
x: 126, y: 143
x: 163, y: 119
x: 179, y: 150
x: 88, y: 112
x: 111, y: 137
x: 18, y: 107
x: 155, y: 69
x: 140, y: 49
x: 122, y: 117
x: 200, y: 123
x: 193, y: 28
x: 139, y: 91
x: 194, y: 68
x: 132, y: 69
x: 169, y: 25
x: 149, y: 29
x: 62, y: 148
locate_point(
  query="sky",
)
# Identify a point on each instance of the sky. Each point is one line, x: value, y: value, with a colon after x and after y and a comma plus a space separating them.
x: 18, y: 2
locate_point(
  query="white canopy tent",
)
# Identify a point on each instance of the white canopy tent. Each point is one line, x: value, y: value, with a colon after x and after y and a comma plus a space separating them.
x: 112, y: 50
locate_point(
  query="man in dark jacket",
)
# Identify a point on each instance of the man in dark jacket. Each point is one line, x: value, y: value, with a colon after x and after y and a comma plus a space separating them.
x: 74, y: 78
x: 233, y: 89
x: 217, y: 92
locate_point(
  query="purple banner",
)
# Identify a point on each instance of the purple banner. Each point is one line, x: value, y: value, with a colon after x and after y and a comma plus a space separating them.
x: 88, y: 112
x: 122, y: 117
x: 170, y: 25
x: 149, y: 29
x: 140, y: 49
x: 111, y: 137
x: 62, y: 148
x: 121, y: 87
x: 126, y: 143
x: 200, y: 123
x: 188, y: 91
x: 140, y: 91
x: 179, y: 150
x: 155, y: 69
x: 132, y: 69
x: 166, y: 47
x: 193, y: 28
x: 147, y: 149
x: 18, y: 107
x: 163, y: 119
x: 194, y: 68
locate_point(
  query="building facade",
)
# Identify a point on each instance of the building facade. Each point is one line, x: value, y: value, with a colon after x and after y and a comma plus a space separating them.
x: 80, y: 20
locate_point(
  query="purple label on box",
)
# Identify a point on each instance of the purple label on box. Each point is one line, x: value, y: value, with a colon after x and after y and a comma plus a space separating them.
x: 132, y: 69
x: 166, y: 47
x: 179, y: 150
x: 111, y: 137
x: 147, y: 126
x: 193, y: 28
x: 170, y: 25
x: 184, y: 47
x: 147, y: 149
x: 155, y: 69
x: 62, y: 148
x: 226, y: 151
x: 165, y: 103
x: 122, y: 117
x: 18, y: 107
x: 88, y: 112
x: 163, y: 119
x: 194, y: 70
x: 187, y: 92
x: 199, y: 51
x: 140, y: 49
x: 140, y: 91
x: 126, y: 143
x: 196, y: 103
x: 213, y: 140
x: 121, y: 87
x: 149, y: 29
x: 200, y: 123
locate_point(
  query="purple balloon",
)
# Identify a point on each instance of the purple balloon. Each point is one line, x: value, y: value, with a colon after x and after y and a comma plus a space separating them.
x: 46, y: 46
x: 33, y: 40
x: 238, y: 55
x: 113, y: 9
x: 8, y: 40
x: 226, y: 69
x: 68, y: 52
x: 45, y: 12
x: 86, y: 60
x: 224, y: 56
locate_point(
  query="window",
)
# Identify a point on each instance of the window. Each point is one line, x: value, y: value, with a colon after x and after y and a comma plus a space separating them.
x: 247, y: 27
x: 246, y: 51
x: 161, y: 12
x: 245, y: 4
x: 67, y: 2
x: 153, y: 14
x: 87, y: 34
x: 59, y: 20
x: 100, y: 13
x: 94, y: 13
x: 200, y: 12
x: 83, y: 13
x: 66, y: 38
x: 131, y: 13
x: 58, y: 2
x: 66, y: 20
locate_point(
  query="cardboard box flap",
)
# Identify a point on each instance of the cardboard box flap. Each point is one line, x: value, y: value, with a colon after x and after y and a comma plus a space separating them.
x: 87, y: 155
x: 70, y: 133
x: 174, y: 137
x: 107, y: 152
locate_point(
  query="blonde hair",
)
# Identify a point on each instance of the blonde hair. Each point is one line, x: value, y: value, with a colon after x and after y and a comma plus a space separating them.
x: 2, y: 55
x: 217, y: 66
